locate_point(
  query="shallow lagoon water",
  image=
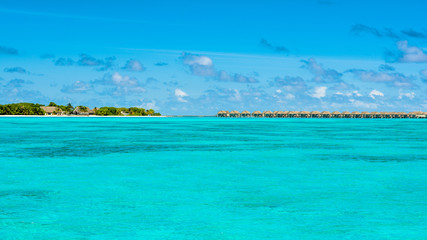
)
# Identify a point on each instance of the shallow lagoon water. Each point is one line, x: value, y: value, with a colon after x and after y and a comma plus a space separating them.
x: 210, y: 178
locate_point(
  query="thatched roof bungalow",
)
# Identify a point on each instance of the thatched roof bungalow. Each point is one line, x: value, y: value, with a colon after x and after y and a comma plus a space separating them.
x: 222, y: 114
x: 315, y: 114
x: 346, y: 114
x: 257, y: 114
x: 294, y: 114
x: 245, y: 114
x: 325, y: 114
x: 235, y: 114
x: 365, y: 115
x: 336, y: 114
x: 305, y: 114
x: 356, y: 115
x: 51, y: 110
x: 268, y: 114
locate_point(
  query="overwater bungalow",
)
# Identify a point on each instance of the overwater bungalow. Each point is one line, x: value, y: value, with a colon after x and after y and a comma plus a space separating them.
x: 294, y: 114
x: 245, y: 114
x: 235, y: 114
x: 257, y: 114
x: 365, y: 115
x: 223, y: 114
x: 305, y: 114
x: 325, y: 114
x: 315, y: 114
x: 336, y: 114
x: 346, y: 114
x: 268, y: 114
x: 355, y: 115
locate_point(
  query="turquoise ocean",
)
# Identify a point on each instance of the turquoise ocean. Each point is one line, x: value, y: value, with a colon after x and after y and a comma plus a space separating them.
x: 212, y: 178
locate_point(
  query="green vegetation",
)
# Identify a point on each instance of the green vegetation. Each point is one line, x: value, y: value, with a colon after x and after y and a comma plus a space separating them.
x: 21, y: 109
x: 34, y: 109
x: 83, y: 108
x: 133, y: 111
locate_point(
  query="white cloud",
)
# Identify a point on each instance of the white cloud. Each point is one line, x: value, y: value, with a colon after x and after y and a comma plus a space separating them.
x: 374, y: 93
x: 410, y: 95
x: 319, y: 92
x: 278, y: 91
x: 411, y: 54
x: 180, y: 95
x: 200, y: 60
x: 289, y: 96
x: 133, y: 65
x: 350, y: 94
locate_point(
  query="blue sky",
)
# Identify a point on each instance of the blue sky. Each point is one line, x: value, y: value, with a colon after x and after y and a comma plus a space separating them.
x: 192, y: 57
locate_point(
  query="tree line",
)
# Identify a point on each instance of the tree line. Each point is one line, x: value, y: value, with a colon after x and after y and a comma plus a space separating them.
x: 35, y: 109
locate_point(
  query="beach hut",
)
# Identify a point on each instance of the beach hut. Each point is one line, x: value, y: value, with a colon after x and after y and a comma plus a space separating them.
x: 315, y: 114
x: 326, y: 114
x: 257, y: 114
x: 355, y: 115
x: 346, y: 114
x: 365, y: 115
x: 336, y: 114
x: 280, y: 114
x: 268, y: 114
x: 245, y: 114
x: 285, y: 114
x: 223, y: 114
x: 305, y: 114
x: 375, y: 115
x: 235, y: 114
x: 52, y: 110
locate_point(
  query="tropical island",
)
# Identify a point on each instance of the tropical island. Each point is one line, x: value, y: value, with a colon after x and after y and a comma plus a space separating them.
x: 53, y: 109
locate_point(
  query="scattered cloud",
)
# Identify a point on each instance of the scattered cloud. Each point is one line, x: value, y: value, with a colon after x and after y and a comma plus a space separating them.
x: 110, y: 84
x: 226, y: 77
x: 414, y: 34
x: 290, y: 84
x: 350, y: 94
x: 8, y: 50
x: 319, y: 92
x: 385, y: 68
x: 180, y: 95
x: 411, y: 54
x: 392, y: 79
x: 375, y: 93
x: 278, y: 49
x: 409, y: 95
x: 117, y: 85
x: 321, y: 75
x: 203, y: 66
x: 161, y: 64
x: 87, y: 61
x: 16, y: 83
x: 359, y: 29
x: 15, y: 70
x: 64, y: 62
x: 133, y: 65
x: 106, y: 64
x: 76, y: 87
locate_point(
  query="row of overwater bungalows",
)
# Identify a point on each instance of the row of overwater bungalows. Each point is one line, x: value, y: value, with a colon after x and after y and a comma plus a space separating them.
x: 316, y: 114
